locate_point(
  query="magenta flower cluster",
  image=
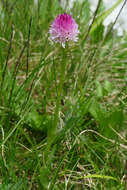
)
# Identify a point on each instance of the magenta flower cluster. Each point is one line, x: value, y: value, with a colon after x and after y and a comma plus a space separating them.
x: 63, y: 29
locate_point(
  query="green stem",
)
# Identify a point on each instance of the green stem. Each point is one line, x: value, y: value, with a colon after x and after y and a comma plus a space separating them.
x: 52, y: 130
x: 58, y: 102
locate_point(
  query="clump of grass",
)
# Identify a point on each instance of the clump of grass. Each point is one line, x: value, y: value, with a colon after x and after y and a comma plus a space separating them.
x: 88, y: 150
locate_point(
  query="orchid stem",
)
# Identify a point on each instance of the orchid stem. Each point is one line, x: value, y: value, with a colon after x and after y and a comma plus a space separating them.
x: 52, y: 130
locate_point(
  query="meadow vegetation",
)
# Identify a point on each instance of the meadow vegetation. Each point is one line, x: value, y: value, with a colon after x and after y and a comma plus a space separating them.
x: 88, y: 148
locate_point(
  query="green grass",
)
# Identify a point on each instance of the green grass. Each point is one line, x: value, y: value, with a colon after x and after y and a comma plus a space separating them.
x: 61, y: 132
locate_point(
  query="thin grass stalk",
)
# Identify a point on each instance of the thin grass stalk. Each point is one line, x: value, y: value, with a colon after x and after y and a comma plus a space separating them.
x: 13, y: 6
x: 7, y: 58
x: 94, y: 17
x: 38, y: 10
x: 6, y: 5
x: 6, y: 119
x: 29, y: 78
x: 29, y: 94
x: 15, y: 74
x: 31, y: 88
x: 18, y: 124
x: 3, y: 2
x: 51, y: 187
x: 111, y: 28
x: 28, y: 45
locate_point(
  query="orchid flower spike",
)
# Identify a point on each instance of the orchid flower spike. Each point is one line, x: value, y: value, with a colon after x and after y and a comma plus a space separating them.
x: 63, y: 29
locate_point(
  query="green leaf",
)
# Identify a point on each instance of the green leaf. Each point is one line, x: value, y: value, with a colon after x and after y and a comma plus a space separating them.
x: 100, y: 176
x: 116, y: 118
x: 97, y: 34
x: 98, y: 112
x: 99, y: 90
x: 108, y: 86
x: 16, y: 186
x: 37, y: 121
x: 44, y: 177
x: 104, y: 15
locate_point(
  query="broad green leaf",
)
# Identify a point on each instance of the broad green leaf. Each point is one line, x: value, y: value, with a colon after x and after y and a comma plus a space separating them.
x: 37, y: 121
x: 99, y: 90
x: 98, y: 112
x: 108, y: 86
x: 44, y: 177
